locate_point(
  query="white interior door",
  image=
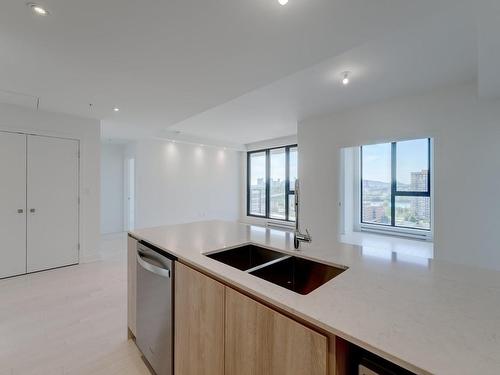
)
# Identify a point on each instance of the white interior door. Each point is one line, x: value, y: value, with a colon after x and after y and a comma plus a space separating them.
x: 52, y: 204
x: 12, y: 204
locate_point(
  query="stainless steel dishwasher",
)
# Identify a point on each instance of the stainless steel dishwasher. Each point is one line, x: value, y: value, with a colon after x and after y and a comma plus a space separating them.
x: 155, y: 308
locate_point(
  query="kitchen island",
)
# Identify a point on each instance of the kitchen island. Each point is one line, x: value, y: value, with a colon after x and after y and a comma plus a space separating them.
x: 423, y: 315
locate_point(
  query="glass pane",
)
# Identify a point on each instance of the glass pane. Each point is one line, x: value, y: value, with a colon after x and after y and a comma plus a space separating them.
x: 291, y: 207
x: 413, y: 212
x: 376, y: 189
x: 412, y: 161
x: 277, y: 184
x: 258, y: 184
x: 293, y: 167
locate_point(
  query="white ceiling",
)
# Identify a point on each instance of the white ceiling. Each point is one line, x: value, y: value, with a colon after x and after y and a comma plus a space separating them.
x: 232, y: 70
x: 416, y: 59
x: 489, y: 49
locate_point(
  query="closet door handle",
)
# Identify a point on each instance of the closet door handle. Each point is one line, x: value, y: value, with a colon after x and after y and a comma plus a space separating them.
x: 32, y: 210
x: 20, y: 211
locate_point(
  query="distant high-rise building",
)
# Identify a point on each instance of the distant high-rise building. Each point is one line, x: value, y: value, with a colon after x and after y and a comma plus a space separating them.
x: 421, y: 205
x: 374, y: 214
x: 258, y: 197
x: 419, y: 180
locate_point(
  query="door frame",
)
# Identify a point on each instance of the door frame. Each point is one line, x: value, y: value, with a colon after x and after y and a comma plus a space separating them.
x: 24, y: 207
x: 127, y: 183
x: 79, y: 177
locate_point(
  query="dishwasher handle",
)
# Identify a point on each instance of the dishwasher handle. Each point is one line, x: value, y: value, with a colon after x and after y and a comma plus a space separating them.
x: 163, y: 272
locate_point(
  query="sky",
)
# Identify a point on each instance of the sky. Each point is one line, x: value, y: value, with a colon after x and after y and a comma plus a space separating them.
x: 258, y: 166
x: 411, y: 157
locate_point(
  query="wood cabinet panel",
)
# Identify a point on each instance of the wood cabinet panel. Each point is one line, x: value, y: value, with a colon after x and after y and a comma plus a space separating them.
x: 261, y: 341
x: 199, y: 323
x: 131, y: 284
x: 339, y: 352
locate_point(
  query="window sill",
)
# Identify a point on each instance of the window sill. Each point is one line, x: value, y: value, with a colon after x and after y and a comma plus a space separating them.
x: 269, y: 223
x: 387, y: 244
x: 413, y: 234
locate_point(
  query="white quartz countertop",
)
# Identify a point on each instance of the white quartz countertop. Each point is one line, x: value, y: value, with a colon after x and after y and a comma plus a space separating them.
x: 428, y: 316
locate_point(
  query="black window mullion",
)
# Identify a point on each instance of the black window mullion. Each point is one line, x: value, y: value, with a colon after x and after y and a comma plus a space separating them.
x: 361, y: 184
x: 412, y: 194
x: 429, y: 166
x: 268, y: 186
x: 393, y: 184
x: 249, y: 155
x: 287, y: 181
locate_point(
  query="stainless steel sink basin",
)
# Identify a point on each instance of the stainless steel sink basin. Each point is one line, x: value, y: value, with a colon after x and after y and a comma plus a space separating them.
x: 297, y: 274
x: 246, y: 257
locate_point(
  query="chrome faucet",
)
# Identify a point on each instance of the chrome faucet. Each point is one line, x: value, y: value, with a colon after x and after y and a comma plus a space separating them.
x: 297, y: 236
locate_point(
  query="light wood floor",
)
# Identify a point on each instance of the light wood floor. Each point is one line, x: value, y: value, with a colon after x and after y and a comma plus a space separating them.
x: 70, y: 320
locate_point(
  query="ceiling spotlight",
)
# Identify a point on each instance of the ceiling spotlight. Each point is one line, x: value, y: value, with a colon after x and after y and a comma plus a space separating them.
x: 283, y: 2
x: 116, y: 109
x: 345, y: 79
x: 38, y: 9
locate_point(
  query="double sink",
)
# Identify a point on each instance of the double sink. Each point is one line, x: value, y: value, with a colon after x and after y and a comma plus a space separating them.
x: 296, y: 274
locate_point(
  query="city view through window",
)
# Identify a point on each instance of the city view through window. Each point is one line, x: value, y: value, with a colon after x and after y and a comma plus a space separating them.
x: 395, y: 184
x: 271, y: 183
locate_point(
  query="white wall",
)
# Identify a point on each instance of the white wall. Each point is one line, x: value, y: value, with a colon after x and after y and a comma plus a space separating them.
x: 466, y: 135
x: 272, y: 143
x: 20, y: 119
x: 178, y: 182
x: 112, y: 187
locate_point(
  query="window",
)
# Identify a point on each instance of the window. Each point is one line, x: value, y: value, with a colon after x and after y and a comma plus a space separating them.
x: 257, y: 183
x: 271, y: 183
x: 395, y: 184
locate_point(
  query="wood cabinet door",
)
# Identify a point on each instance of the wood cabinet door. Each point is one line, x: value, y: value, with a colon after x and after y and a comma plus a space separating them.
x: 132, y: 284
x: 261, y: 341
x: 199, y: 323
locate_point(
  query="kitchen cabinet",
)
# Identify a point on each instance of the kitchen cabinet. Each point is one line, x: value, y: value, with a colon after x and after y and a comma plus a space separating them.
x: 131, y: 285
x: 219, y: 330
x: 199, y: 323
x: 260, y: 340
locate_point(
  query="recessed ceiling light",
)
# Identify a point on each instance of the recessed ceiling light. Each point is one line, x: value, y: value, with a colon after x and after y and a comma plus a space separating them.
x: 116, y: 109
x: 38, y: 9
x: 345, y: 79
x: 283, y: 2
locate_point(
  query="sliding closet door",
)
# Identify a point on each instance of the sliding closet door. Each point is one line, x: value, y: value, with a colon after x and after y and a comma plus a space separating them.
x: 52, y: 203
x: 12, y: 204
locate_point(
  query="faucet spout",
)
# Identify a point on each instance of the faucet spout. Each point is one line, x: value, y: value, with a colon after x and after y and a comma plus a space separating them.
x: 299, y: 237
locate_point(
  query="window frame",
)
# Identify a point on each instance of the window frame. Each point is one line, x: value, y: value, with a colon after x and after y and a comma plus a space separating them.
x: 288, y: 189
x: 397, y: 193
